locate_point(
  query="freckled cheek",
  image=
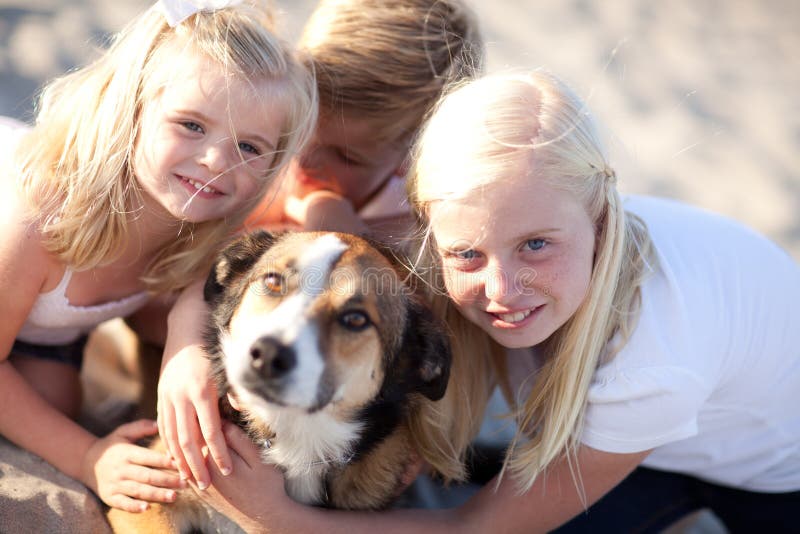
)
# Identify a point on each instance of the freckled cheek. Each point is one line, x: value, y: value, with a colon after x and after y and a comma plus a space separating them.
x: 567, y: 284
x: 538, y: 281
x: 462, y: 288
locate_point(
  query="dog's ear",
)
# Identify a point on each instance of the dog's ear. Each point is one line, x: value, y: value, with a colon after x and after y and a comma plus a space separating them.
x: 427, y: 343
x: 235, y: 260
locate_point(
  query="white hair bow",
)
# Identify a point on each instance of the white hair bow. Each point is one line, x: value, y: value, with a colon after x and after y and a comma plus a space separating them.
x: 176, y: 11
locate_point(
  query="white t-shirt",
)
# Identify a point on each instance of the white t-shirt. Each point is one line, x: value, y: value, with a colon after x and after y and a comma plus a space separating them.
x: 710, y: 378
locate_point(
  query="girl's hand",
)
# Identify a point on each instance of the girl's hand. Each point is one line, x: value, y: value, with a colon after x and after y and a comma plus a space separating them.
x: 253, y: 495
x: 127, y: 476
x: 188, y: 415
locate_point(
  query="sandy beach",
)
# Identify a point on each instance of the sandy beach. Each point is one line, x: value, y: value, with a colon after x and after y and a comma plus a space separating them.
x: 696, y: 97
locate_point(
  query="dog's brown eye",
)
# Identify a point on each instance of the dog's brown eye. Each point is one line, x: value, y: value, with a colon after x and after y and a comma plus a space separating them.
x: 273, y: 283
x: 354, y: 320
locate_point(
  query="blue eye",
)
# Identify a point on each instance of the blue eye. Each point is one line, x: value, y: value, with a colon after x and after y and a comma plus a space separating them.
x: 192, y: 126
x: 247, y: 147
x: 535, y: 244
x: 466, y: 254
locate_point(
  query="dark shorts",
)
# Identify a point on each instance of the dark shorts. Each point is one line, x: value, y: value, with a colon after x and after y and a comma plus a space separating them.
x: 648, y: 501
x: 71, y: 353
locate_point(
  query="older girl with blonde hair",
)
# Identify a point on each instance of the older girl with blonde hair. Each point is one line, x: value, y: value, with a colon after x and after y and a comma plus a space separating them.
x: 648, y: 349
x: 139, y: 166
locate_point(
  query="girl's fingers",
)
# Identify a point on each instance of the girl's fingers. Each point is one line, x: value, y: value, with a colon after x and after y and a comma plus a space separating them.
x: 144, y: 493
x: 176, y: 450
x: 189, y: 440
x: 123, y: 502
x: 166, y: 428
x: 211, y: 427
x: 241, y: 444
x: 149, y: 458
x: 169, y: 435
x: 154, y: 477
x: 164, y: 419
x: 137, y: 429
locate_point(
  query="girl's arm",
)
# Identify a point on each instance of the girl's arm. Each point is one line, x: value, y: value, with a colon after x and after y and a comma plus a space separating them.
x: 29, y: 421
x: 554, y: 498
x: 254, y: 497
x: 25, y: 418
x: 188, y: 413
x: 122, y: 474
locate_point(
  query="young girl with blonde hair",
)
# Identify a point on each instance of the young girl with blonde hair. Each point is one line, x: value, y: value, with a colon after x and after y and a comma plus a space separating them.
x: 641, y: 343
x: 380, y: 67
x: 139, y: 166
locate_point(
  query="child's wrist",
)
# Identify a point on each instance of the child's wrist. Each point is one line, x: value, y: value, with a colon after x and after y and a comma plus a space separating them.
x: 86, y: 473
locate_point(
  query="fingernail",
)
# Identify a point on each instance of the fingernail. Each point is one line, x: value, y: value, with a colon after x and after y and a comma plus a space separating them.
x: 183, y: 475
x: 202, y: 485
x: 143, y: 506
x: 225, y: 470
x: 170, y: 495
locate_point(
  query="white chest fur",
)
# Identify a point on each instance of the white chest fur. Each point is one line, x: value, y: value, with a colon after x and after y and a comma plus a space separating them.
x: 307, y: 447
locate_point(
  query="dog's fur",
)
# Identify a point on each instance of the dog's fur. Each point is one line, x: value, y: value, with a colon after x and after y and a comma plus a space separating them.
x: 325, y: 350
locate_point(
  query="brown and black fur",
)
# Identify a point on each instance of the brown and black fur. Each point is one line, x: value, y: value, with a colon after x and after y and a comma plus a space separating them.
x: 412, y: 362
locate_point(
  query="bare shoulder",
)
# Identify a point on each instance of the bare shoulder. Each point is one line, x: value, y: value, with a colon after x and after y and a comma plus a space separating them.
x: 25, y: 265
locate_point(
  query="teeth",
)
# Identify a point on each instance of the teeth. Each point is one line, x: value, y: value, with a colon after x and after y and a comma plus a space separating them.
x: 514, y: 317
x: 200, y: 186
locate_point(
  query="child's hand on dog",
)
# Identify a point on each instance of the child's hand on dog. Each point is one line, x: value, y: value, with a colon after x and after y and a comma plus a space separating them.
x: 127, y: 476
x: 188, y: 414
x: 253, y: 490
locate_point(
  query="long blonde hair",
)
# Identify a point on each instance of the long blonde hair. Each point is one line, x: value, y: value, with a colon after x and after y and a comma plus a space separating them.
x: 481, y: 135
x: 76, y: 163
x: 389, y: 61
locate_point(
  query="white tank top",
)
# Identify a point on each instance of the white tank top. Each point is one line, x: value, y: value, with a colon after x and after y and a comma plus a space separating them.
x: 54, y: 321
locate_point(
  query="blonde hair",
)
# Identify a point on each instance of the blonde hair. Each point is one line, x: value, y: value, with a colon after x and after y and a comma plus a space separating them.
x: 532, y: 126
x: 388, y: 62
x: 76, y: 163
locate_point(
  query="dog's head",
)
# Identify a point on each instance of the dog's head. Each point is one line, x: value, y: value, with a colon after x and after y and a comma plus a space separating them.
x: 320, y: 322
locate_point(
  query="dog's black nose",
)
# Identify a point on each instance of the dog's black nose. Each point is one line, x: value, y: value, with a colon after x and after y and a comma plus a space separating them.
x: 271, y: 358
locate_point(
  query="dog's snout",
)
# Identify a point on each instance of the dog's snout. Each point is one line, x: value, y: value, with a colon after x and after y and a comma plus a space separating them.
x: 271, y: 358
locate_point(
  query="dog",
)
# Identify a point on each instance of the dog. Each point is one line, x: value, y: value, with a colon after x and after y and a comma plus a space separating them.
x: 326, y: 352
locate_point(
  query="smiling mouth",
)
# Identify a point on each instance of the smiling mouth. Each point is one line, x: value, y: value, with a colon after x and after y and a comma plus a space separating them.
x: 200, y: 186
x: 516, y: 317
